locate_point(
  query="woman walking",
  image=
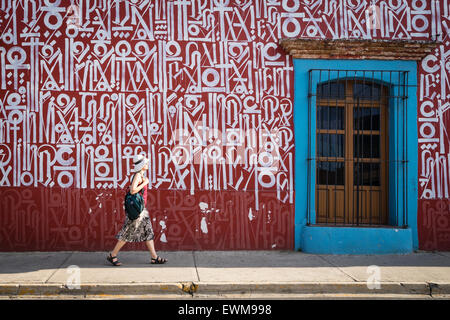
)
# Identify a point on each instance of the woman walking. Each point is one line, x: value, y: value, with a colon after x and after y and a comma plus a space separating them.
x: 140, y: 229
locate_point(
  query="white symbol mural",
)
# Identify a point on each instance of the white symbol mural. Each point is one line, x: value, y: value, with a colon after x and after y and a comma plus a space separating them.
x: 201, y: 87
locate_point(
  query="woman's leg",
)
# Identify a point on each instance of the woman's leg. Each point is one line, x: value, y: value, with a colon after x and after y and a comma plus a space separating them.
x: 113, y: 254
x: 151, y: 247
x: 117, y: 248
x: 154, y: 255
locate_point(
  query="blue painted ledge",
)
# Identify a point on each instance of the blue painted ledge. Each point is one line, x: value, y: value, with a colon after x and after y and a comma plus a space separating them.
x: 361, y: 240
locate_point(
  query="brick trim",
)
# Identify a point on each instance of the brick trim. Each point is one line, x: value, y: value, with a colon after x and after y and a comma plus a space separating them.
x: 358, y: 49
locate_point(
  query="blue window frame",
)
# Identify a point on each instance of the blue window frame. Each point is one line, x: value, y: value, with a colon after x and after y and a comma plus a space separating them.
x: 401, y: 236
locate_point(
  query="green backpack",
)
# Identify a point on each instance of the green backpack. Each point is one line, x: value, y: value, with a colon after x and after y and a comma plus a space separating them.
x: 134, y: 204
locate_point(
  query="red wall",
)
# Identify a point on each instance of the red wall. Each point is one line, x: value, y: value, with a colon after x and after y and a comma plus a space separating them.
x: 86, y: 86
x: 75, y: 219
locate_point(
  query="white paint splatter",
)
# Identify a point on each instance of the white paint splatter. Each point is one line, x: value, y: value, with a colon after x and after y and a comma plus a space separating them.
x: 204, y: 226
x: 203, y: 205
x: 162, y: 224
x: 90, y: 210
x: 250, y: 215
x: 100, y: 205
x: 274, y: 245
x: 163, y: 238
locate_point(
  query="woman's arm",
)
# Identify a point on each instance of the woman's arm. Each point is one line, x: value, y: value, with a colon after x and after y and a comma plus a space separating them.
x: 138, y: 183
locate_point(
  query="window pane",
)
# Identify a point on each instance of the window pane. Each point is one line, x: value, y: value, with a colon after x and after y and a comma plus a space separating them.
x: 330, y: 145
x: 366, y: 118
x: 331, y: 118
x: 331, y: 90
x: 366, y: 91
x: 367, y: 174
x: 366, y: 146
x: 331, y: 173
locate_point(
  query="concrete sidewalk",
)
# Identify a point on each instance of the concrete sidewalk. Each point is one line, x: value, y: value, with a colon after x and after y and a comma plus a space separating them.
x: 224, y: 274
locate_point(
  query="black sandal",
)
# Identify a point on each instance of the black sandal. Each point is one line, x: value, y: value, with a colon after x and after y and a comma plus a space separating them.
x: 115, y: 262
x: 158, y: 260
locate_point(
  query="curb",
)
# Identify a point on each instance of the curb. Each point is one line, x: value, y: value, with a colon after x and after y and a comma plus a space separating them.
x: 439, y: 288
x: 23, y: 290
x: 191, y: 289
x: 313, y: 288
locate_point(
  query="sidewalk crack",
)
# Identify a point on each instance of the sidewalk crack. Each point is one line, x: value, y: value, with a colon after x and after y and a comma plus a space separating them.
x: 348, y: 275
x: 195, y: 266
x: 53, y: 273
x: 431, y: 286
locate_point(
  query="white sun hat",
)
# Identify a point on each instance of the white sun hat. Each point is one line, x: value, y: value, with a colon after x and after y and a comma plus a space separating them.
x: 139, y: 162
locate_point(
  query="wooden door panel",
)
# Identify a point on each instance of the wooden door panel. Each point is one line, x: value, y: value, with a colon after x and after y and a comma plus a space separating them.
x: 369, y: 204
x: 330, y: 204
x: 362, y: 197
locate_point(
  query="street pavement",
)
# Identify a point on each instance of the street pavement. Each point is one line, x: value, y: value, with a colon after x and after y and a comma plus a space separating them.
x: 224, y: 275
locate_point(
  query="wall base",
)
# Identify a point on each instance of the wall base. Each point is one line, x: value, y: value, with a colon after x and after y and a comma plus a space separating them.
x: 351, y: 240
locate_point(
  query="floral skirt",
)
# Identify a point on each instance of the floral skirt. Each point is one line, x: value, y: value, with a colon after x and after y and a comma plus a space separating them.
x: 137, y: 230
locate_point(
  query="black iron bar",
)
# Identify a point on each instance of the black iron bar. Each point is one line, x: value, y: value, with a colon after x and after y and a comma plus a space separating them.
x: 346, y: 127
x: 318, y: 151
x: 405, y: 121
x: 371, y: 145
x: 328, y: 135
x: 336, y: 134
x: 308, y: 192
x: 361, y: 164
x: 405, y: 102
x: 393, y: 113
x: 397, y: 147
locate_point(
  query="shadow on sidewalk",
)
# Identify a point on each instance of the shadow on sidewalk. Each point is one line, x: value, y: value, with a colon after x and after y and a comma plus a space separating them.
x: 23, y: 262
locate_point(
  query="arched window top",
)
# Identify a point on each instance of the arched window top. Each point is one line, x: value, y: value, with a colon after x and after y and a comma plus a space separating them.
x: 363, y: 89
x: 331, y: 90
